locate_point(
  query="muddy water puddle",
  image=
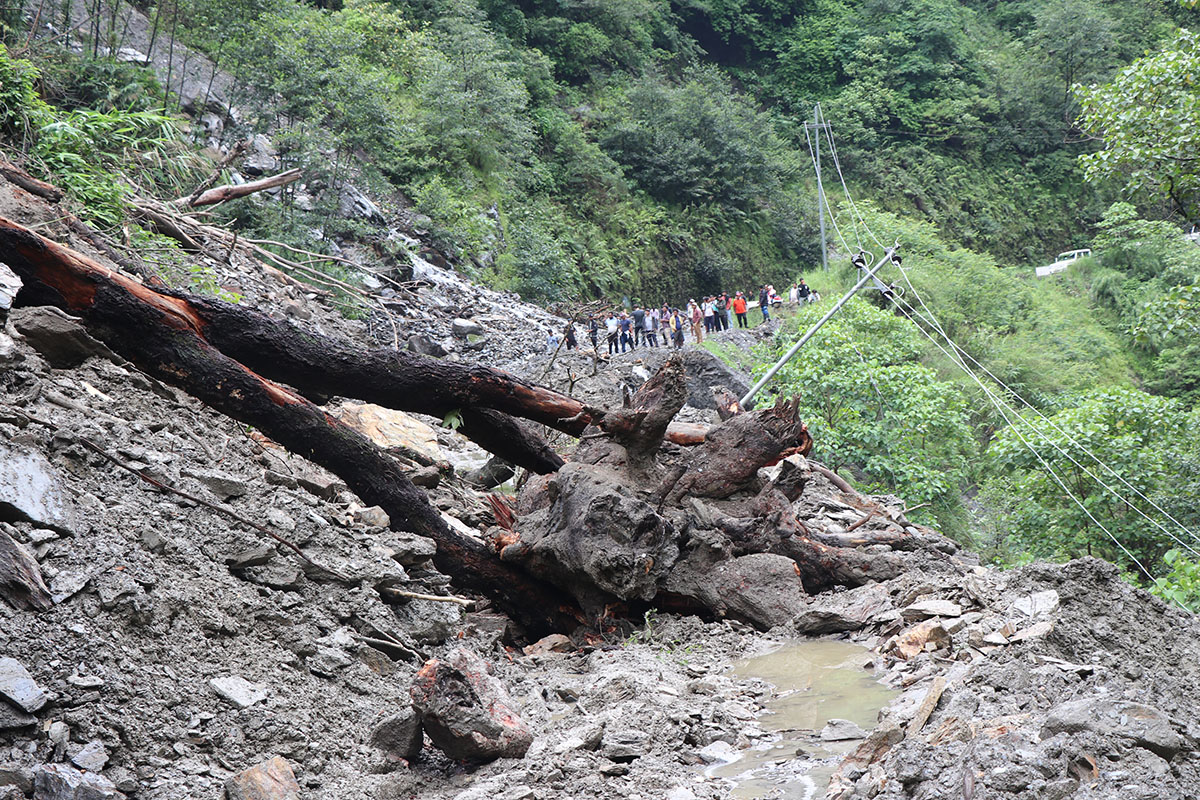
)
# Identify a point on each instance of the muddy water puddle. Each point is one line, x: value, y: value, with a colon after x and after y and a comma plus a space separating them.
x: 815, y: 681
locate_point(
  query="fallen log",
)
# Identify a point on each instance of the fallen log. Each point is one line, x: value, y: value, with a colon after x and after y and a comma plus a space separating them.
x: 731, y: 455
x: 324, y: 366
x: 219, y: 194
x: 164, y: 336
x: 399, y: 379
x: 392, y: 378
x: 641, y: 427
x: 19, y: 177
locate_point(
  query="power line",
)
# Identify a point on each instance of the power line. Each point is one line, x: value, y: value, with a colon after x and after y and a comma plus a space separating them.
x: 1045, y: 465
x: 958, y: 359
x: 960, y: 362
x: 821, y: 195
x: 849, y: 198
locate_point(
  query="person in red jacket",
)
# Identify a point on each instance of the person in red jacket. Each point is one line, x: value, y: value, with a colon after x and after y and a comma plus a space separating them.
x: 739, y: 308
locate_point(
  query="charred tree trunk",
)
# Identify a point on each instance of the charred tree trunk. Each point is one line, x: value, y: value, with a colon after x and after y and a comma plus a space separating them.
x: 164, y: 335
x: 393, y: 378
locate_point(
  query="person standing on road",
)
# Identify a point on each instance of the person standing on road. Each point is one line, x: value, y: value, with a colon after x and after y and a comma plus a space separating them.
x: 739, y: 308
x: 612, y: 328
x: 653, y: 323
x: 626, y: 326
x: 764, y: 302
x: 697, y: 318
x: 639, y: 326
x: 725, y: 311
x: 677, y: 325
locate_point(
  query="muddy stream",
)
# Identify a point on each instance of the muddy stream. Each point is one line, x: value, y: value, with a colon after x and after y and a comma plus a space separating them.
x: 815, y: 681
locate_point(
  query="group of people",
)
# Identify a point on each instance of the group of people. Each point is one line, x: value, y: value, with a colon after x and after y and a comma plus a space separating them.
x: 666, y: 325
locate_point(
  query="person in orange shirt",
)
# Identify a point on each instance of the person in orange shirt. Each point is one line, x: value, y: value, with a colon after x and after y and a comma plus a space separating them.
x: 739, y: 308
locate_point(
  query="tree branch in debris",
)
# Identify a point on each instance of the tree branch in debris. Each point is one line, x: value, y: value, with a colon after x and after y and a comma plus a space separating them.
x: 233, y: 191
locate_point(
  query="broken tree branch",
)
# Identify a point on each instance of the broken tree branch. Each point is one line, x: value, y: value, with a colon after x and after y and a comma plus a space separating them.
x: 234, y: 153
x: 19, y: 177
x: 233, y: 191
x: 436, y: 598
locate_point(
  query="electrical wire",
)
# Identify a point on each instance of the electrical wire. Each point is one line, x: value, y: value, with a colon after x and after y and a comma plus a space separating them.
x: 1045, y: 465
x: 821, y: 189
x: 845, y: 189
x: 960, y: 362
x: 959, y: 359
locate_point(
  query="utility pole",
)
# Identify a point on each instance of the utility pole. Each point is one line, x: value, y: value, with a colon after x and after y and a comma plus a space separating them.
x: 868, y: 271
x: 816, y: 126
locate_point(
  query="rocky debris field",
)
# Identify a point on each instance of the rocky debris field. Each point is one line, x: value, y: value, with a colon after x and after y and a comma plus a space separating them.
x: 161, y: 645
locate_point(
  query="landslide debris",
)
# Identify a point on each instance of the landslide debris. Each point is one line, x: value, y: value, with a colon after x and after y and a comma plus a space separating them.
x: 183, y: 655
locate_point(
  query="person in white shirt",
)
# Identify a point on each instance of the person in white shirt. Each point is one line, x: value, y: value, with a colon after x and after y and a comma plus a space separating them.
x: 612, y: 326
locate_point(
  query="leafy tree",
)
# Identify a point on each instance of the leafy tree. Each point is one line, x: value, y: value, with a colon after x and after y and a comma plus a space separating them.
x: 1139, y: 435
x: 471, y: 100
x: 697, y: 142
x: 1149, y: 120
x: 1076, y: 40
x: 1145, y: 249
x: 87, y: 152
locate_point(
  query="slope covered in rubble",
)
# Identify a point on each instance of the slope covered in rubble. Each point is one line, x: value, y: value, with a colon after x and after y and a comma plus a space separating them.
x: 181, y: 647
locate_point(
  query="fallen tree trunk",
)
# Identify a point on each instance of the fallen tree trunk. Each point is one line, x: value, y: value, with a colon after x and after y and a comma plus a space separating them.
x: 164, y: 336
x: 19, y: 177
x: 220, y: 194
x: 393, y: 378
x: 729, y: 459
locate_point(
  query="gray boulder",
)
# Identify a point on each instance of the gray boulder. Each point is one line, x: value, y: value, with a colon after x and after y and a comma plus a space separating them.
x: 426, y: 346
x: 21, y: 582
x: 61, y: 339
x: 261, y: 158
x: 462, y: 328
x: 353, y: 203
x: 1146, y: 726
x: 63, y: 782
x: 32, y: 490
x: 704, y: 371
x: 10, y: 284
x: 466, y: 710
x: 399, y: 735
x: 762, y: 589
x: 19, y: 687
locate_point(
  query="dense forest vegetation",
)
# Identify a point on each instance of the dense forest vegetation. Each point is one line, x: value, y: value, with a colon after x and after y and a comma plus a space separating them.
x: 653, y: 149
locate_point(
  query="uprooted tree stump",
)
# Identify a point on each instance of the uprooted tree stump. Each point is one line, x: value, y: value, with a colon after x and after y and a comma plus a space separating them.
x: 633, y: 521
